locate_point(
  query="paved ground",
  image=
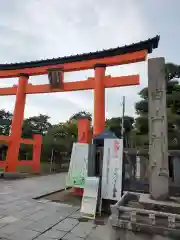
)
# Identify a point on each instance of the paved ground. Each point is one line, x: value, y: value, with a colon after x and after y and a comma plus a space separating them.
x: 23, y: 218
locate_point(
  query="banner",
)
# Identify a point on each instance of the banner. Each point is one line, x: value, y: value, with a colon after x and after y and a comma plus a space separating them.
x: 90, y: 196
x: 78, y: 165
x: 112, y: 169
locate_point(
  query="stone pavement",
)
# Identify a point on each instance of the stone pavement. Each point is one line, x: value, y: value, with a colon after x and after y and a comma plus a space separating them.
x: 24, y: 218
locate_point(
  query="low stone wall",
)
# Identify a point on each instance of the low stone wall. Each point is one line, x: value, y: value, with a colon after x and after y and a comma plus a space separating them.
x: 130, y: 220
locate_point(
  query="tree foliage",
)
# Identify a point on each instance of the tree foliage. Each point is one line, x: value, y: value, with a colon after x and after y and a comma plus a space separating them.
x: 80, y: 115
x: 115, y: 126
x: 5, y: 122
x: 36, y: 124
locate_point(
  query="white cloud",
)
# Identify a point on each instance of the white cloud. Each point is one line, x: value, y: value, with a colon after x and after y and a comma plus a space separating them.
x: 34, y: 29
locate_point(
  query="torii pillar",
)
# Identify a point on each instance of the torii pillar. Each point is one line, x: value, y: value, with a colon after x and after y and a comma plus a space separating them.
x: 99, y: 99
x: 16, y: 126
x: 84, y: 136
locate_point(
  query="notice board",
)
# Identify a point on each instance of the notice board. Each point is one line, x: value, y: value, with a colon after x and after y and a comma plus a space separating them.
x: 112, y: 169
x: 90, y: 196
x: 78, y: 165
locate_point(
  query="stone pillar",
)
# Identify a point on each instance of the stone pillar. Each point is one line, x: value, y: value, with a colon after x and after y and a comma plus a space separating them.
x: 138, y: 167
x: 16, y: 126
x: 158, y: 138
x: 99, y: 99
x: 176, y: 169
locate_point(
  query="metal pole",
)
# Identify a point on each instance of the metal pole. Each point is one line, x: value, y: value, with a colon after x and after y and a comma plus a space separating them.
x: 122, y: 137
x: 52, y: 156
x: 122, y: 120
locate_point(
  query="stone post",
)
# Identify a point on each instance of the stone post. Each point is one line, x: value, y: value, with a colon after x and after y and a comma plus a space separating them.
x: 158, y: 138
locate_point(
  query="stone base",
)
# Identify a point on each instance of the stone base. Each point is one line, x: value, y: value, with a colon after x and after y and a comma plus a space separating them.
x: 12, y: 175
x: 172, y: 205
x: 137, y: 216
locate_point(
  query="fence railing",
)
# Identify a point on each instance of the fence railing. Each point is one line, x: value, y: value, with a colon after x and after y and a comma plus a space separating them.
x: 136, y: 168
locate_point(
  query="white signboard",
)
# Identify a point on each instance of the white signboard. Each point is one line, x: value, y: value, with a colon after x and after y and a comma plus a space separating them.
x: 112, y: 169
x: 90, y: 195
x: 78, y: 165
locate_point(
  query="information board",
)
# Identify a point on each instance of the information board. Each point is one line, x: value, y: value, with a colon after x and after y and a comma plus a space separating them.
x: 78, y: 165
x: 90, y: 196
x: 112, y: 169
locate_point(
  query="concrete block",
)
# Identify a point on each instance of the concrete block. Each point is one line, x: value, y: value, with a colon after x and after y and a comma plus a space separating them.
x: 66, y: 225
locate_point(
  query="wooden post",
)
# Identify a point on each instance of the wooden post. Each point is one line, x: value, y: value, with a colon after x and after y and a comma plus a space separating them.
x: 99, y: 99
x: 16, y: 126
x: 36, y: 167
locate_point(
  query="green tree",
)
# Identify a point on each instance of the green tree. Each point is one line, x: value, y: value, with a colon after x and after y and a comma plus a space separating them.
x: 115, y: 125
x: 81, y: 114
x: 59, y: 138
x: 5, y: 122
x: 36, y: 124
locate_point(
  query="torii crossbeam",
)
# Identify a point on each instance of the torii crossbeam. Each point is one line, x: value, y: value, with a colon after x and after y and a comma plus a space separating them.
x: 97, y: 60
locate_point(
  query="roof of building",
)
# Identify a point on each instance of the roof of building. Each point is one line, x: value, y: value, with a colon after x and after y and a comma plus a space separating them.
x: 149, y: 45
x: 106, y: 134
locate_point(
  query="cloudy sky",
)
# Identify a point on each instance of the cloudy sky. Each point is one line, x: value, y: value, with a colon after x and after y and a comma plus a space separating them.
x: 40, y: 29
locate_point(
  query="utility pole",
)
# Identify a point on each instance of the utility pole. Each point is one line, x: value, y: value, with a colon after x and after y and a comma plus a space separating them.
x: 122, y: 120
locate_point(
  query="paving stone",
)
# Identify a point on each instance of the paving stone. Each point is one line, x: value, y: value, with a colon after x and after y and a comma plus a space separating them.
x: 3, y: 236
x: 56, y: 218
x: 53, y: 234
x: 76, y: 215
x: 66, y: 225
x: 83, y: 229
x: 64, y: 214
x: 41, y: 237
x: 15, y: 227
x: 38, y: 215
x: 24, y: 234
x: 65, y: 211
x: 44, y: 224
x: 8, y: 219
x: 43, y: 201
x: 68, y: 209
x: 102, y: 232
x: 71, y: 236
x: 26, y: 212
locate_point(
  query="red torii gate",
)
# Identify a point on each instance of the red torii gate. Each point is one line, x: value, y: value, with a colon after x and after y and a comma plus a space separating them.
x: 55, y: 69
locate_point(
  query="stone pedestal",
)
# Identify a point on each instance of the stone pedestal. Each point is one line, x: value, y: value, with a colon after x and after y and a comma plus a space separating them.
x: 136, y: 216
